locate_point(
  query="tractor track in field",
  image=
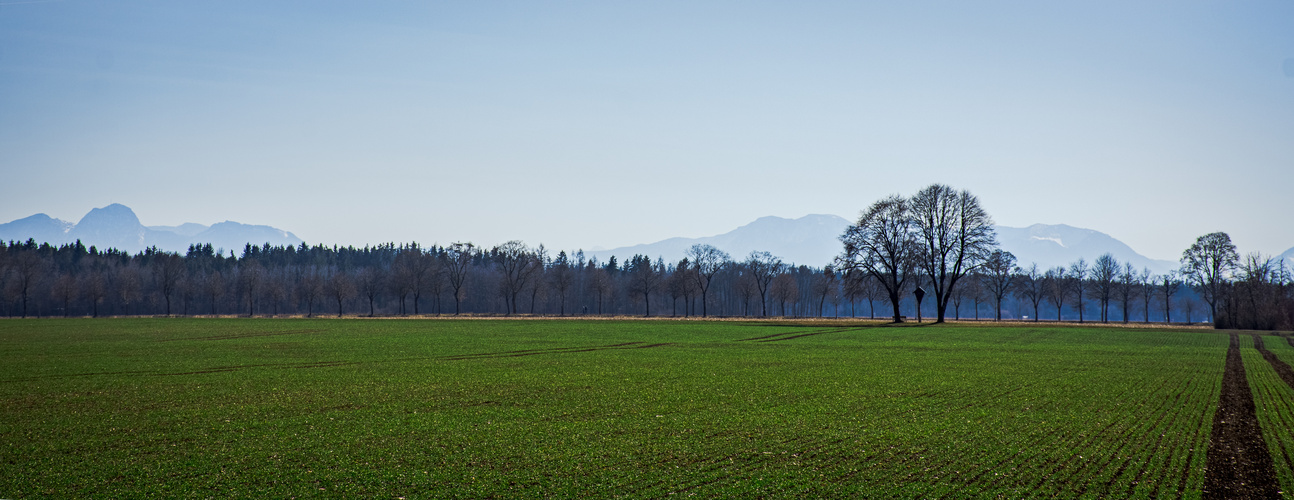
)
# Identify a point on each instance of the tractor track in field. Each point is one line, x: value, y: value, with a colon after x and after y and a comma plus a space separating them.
x: 1286, y: 374
x: 1282, y: 368
x: 555, y: 350
x: 795, y: 334
x: 233, y: 336
x: 1237, y: 463
x: 212, y: 369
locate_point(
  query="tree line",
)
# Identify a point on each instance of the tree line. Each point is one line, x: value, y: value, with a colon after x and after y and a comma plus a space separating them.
x: 388, y: 280
x: 939, y: 240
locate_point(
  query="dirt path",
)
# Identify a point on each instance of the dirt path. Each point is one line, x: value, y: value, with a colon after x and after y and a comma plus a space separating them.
x: 1238, y: 464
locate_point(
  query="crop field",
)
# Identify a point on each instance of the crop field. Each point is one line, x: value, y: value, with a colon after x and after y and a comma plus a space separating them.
x: 562, y: 408
x: 1274, y: 399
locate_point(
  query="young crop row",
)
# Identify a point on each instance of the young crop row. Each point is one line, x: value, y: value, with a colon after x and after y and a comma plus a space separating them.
x: 1274, y: 402
x: 1104, y: 429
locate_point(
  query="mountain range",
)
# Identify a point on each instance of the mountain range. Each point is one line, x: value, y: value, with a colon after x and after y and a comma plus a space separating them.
x: 813, y: 240
x: 810, y: 240
x: 117, y: 226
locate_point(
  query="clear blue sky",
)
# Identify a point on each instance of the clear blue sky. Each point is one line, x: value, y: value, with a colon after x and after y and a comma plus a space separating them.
x: 613, y: 123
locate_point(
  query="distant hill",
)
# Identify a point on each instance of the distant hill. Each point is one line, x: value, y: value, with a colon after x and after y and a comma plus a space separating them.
x: 39, y: 227
x: 814, y: 240
x: 1052, y: 245
x: 116, y: 226
x: 810, y: 240
x: 1288, y: 257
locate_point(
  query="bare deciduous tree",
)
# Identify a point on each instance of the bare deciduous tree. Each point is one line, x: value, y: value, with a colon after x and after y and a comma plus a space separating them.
x: 458, y: 259
x: 28, y: 269
x: 1078, y: 279
x: 600, y: 284
x: 823, y: 286
x: 64, y: 290
x: 1105, y: 271
x: 371, y: 280
x: 881, y: 244
x: 706, y: 262
x: 276, y: 289
x: 645, y: 278
x: 250, y: 274
x: 95, y: 288
x: 784, y: 290
x: 1168, y: 285
x: 998, y: 275
x: 310, y: 288
x: 561, y: 278
x: 1056, y: 284
x: 1207, y: 265
x: 127, y: 285
x: 1030, y: 285
x: 168, y: 270
x: 341, y: 288
x: 763, y: 267
x: 955, y: 236
x: 1146, y: 287
x: 1127, y: 289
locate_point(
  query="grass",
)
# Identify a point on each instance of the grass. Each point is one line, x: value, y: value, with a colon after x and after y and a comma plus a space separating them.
x: 442, y: 408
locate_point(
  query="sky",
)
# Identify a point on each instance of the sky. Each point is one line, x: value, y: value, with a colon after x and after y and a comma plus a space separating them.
x: 607, y: 124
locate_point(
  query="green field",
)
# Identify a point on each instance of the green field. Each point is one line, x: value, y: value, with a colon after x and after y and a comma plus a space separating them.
x: 538, y: 408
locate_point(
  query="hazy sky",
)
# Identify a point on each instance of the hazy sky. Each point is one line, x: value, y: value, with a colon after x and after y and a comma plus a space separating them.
x: 613, y: 123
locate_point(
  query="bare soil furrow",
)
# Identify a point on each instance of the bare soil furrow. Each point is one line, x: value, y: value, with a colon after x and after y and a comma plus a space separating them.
x: 1238, y: 464
x: 1282, y: 368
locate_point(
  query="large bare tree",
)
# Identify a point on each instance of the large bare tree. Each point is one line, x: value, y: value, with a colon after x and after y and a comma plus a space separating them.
x: 882, y: 244
x: 955, y: 236
x: 1207, y: 266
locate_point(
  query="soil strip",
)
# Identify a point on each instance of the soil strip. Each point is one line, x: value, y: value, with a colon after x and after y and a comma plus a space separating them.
x: 1238, y: 464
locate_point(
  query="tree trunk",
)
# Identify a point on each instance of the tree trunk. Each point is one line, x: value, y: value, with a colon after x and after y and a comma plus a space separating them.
x: 894, y: 301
